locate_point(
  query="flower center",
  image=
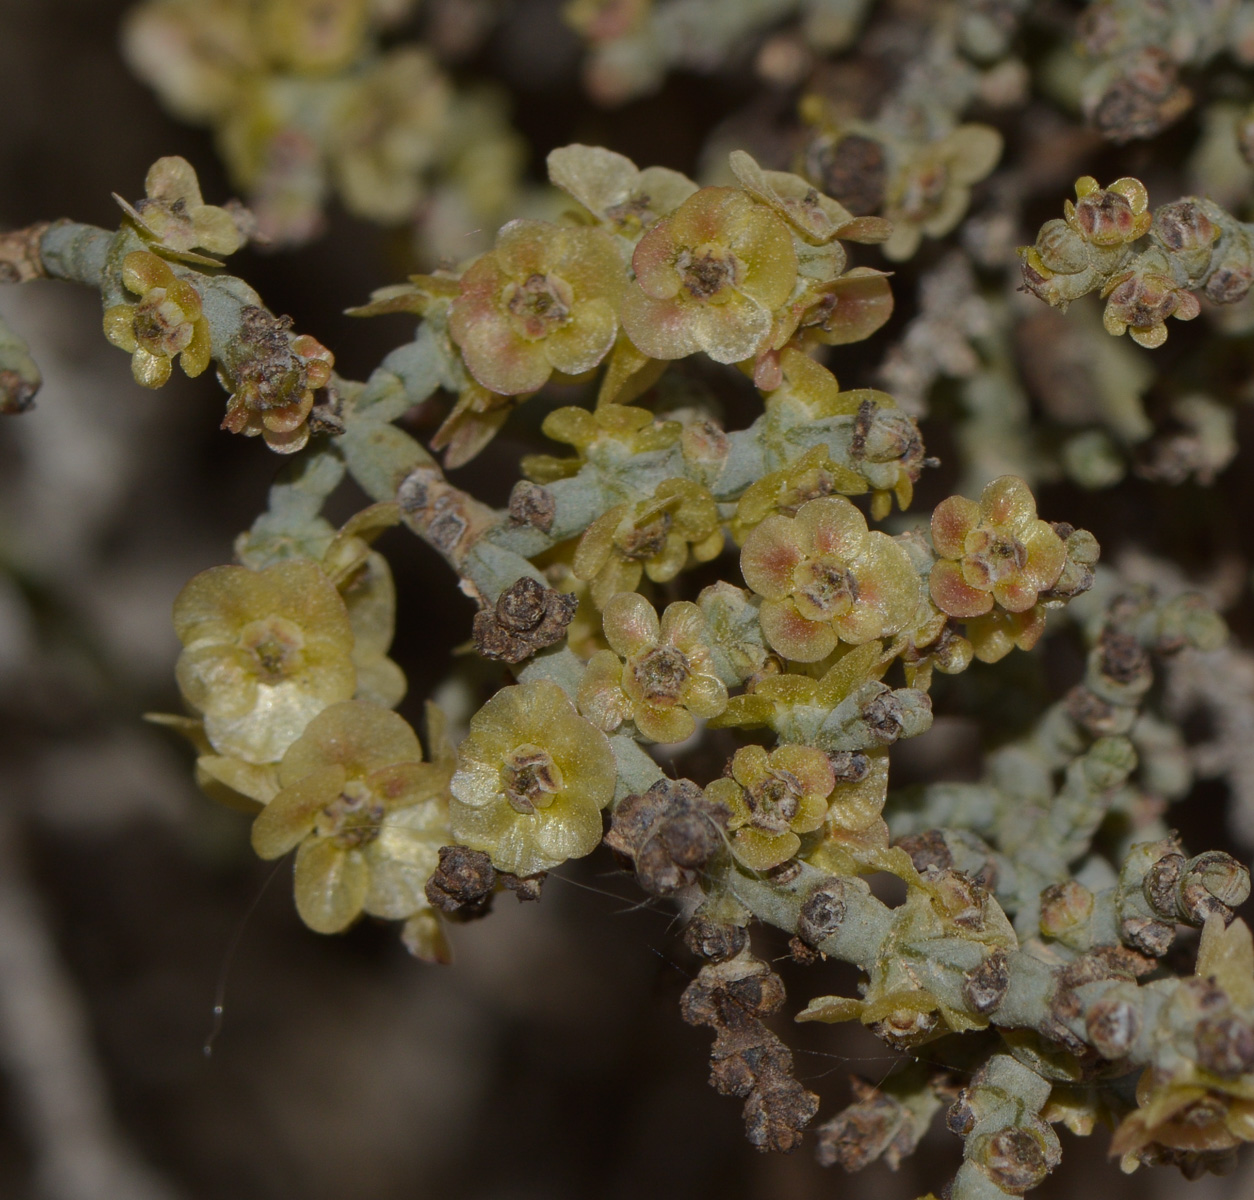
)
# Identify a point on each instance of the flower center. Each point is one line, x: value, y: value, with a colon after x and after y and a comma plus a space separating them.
x: 161, y: 327
x: 352, y: 818
x: 774, y: 801
x: 706, y: 271
x: 539, y: 305
x: 631, y: 213
x: 923, y: 191
x: 992, y: 555
x: 661, y: 673
x: 530, y: 778
x: 824, y: 589
x: 275, y: 644
x: 647, y: 541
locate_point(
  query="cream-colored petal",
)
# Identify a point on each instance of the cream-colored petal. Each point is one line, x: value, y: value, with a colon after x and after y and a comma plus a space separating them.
x: 331, y: 885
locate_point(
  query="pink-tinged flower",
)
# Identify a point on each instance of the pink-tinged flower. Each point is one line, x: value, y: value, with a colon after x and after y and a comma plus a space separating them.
x: 1139, y: 302
x: 658, y: 674
x: 824, y: 577
x: 545, y: 299
x: 773, y: 797
x: 996, y: 551
x: 273, y: 376
x: 709, y: 278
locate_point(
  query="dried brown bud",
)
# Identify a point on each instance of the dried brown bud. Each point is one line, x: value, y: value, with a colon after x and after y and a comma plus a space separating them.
x: 525, y: 887
x: 776, y: 1114
x: 1122, y: 659
x: 747, y: 1059
x: 531, y: 504
x: 822, y: 912
x: 886, y: 435
x: 1225, y: 1046
x: 803, y: 954
x: 852, y: 170
x: 862, y: 1133
x: 927, y: 850
x: 463, y: 882
x: 985, y: 987
x: 1013, y: 1159
x: 1148, y: 936
x: 1161, y: 885
x: 849, y: 766
x: 1227, y: 880
x: 1112, y: 1026
x: 715, y: 940
x: 1146, y: 97
x: 527, y: 617
x: 883, y: 716
x: 17, y: 394
x: 670, y: 832
x: 1093, y: 714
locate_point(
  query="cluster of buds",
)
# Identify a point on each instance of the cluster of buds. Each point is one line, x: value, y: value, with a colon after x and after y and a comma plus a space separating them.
x: 1195, y: 246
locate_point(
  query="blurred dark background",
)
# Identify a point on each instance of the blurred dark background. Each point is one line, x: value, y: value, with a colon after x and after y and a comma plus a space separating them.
x: 550, y: 1060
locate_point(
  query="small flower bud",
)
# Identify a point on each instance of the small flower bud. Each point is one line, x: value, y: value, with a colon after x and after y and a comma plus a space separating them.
x: 463, y: 882
x: 1065, y: 907
x: 985, y: 987
x: 715, y: 940
x: 527, y: 617
x: 1225, y: 1046
x: 1150, y: 937
x: 1112, y: 1026
x: 531, y: 504
x: 1013, y: 1159
x: 822, y: 913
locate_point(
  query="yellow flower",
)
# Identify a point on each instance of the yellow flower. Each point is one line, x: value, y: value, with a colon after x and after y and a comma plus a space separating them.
x: 611, y: 187
x: 387, y: 133
x: 613, y: 432
x: 532, y: 779
x: 652, y: 537
x: 545, y: 299
x: 175, y: 214
x: 167, y: 322
x: 709, y: 278
x: 263, y: 653
x: 364, y: 813
x: 772, y: 799
x: 816, y: 218
x: 809, y: 477
x: 658, y: 674
x: 825, y: 578
x: 931, y: 188
x: 315, y: 37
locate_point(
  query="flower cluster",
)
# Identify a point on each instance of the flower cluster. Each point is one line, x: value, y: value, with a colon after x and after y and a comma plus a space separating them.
x: 300, y: 98
x: 1195, y: 245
